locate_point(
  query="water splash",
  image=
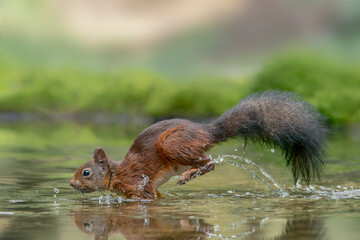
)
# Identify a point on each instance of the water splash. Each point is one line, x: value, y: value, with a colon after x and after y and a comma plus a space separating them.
x: 267, y: 180
x: 297, y: 191
x: 143, y: 182
x: 321, y: 192
x: 108, y: 199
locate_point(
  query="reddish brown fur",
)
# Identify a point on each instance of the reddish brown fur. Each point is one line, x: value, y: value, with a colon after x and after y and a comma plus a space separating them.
x: 158, y: 153
x: 104, y: 224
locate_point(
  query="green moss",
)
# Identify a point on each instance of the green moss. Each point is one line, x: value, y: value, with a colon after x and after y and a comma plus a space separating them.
x: 333, y: 87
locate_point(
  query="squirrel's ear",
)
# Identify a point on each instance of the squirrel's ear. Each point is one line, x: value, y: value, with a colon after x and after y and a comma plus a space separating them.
x: 100, y: 158
x: 99, y: 154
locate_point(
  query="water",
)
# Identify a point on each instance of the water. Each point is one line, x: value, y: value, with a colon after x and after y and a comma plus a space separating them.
x: 249, y: 195
x: 237, y: 162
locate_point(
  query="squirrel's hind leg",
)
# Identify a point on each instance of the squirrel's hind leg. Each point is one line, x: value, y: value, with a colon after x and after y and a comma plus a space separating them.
x: 200, y: 167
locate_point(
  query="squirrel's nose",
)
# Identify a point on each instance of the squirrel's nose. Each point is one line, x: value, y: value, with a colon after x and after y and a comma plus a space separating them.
x: 75, y: 184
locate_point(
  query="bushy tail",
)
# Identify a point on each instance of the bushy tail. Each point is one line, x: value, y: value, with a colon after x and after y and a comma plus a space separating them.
x: 279, y: 119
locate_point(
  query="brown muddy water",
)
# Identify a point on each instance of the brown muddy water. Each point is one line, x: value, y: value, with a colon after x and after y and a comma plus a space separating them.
x: 249, y: 195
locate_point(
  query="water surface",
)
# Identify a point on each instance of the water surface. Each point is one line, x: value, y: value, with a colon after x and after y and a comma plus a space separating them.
x: 235, y: 201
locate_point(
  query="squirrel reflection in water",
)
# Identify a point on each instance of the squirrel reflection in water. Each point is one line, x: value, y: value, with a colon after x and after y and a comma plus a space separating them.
x: 101, y: 223
x: 127, y: 220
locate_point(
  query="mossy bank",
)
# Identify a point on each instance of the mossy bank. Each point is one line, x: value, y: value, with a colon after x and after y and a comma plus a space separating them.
x: 333, y: 87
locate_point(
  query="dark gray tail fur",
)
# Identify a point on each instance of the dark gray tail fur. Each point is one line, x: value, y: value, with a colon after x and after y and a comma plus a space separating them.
x: 279, y: 119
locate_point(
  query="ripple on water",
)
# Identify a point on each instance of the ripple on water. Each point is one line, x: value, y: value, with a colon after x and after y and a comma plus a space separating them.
x: 321, y: 192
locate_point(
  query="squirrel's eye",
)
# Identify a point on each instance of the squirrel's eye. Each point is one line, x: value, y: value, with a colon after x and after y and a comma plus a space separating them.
x: 86, y: 173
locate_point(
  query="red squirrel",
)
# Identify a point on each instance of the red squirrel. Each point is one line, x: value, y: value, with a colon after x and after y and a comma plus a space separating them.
x: 177, y: 146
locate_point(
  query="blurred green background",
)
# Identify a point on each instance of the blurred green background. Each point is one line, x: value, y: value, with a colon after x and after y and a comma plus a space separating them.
x: 76, y: 60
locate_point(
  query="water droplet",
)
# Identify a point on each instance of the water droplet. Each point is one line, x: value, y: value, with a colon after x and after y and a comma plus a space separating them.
x: 146, y: 222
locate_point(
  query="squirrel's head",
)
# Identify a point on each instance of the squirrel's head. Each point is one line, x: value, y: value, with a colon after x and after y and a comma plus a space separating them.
x: 94, y: 175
